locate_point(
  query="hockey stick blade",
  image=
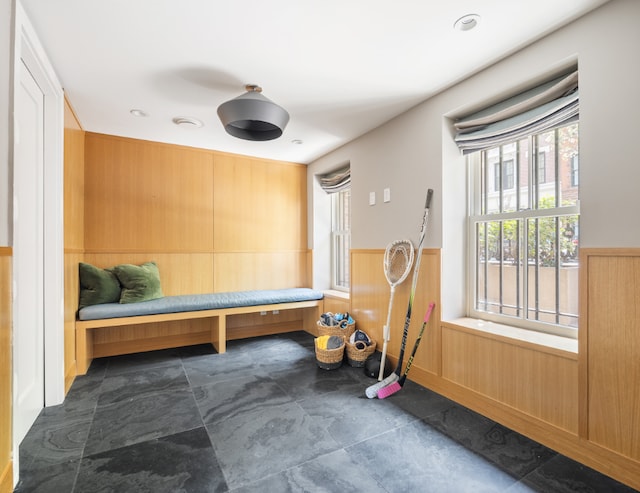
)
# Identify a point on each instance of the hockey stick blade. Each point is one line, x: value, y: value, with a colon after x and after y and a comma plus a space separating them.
x: 372, y: 391
x: 390, y: 389
x: 396, y: 386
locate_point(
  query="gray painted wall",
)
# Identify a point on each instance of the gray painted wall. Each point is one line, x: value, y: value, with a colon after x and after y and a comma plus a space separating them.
x: 416, y: 151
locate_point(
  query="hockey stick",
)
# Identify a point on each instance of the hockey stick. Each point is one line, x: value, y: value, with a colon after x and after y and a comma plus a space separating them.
x: 394, y: 387
x: 398, y: 258
x: 372, y: 390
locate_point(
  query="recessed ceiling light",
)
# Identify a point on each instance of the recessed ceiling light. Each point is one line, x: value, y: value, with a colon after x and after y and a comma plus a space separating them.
x: 140, y: 113
x: 467, y: 22
x: 186, y: 121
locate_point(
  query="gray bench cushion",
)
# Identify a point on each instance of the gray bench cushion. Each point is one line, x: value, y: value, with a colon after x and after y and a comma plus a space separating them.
x: 195, y: 302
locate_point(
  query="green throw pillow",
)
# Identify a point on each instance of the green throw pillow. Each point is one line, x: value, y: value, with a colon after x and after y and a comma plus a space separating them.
x: 139, y: 282
x: 97, y: 286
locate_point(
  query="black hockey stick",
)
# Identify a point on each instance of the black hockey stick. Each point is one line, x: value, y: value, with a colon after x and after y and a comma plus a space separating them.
x: 394, y: 387
x: 372, y: 391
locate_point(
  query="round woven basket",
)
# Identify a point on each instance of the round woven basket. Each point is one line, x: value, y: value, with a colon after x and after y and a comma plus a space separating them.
x: 336, y: 330
x: 329, y: 359
x: 356, y: 357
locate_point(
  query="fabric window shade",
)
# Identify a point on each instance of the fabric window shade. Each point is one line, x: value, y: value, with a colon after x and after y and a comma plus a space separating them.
x: 336, y: 181
x: 544, y: 107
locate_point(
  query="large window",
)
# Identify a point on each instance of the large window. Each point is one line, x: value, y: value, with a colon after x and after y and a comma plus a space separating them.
x: 340, y: 239
x: 524, y: 231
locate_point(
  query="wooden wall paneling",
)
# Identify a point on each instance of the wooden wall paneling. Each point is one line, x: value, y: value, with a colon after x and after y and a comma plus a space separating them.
x: 335, y: 304
x: 286, y: 199
x: 259, y: 205
x: 613, y: 349
x: 370, y: 301
x: 74, y: 138
x: 148, y: 337
x: 370, y: 292
x: 268, y: 318
x: 149, y: 201
x: 71, y: 296
x: 246, y: 325
x: 526, y: 387
x: 535, y: 382
x: 259, y: 270
x: 6, y: 468
x: 147, y: 197
x: 233, y: 204
x: 308, y: 282
x: 73, y: 181
x: 180, y: 273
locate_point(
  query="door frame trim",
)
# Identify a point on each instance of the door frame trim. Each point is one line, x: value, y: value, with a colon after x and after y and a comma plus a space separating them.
x: 28, y: 49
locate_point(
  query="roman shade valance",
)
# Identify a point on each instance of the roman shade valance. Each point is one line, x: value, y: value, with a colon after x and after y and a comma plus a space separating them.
x: 336, y: 181
x: 544, y: 107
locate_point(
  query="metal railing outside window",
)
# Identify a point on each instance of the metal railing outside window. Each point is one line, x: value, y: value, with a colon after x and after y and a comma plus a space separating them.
x: 524, y: 231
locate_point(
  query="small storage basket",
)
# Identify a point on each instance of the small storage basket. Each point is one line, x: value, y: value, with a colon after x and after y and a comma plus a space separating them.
x: 336, y: 330
x: 356, y: 357
x: 329, y: 359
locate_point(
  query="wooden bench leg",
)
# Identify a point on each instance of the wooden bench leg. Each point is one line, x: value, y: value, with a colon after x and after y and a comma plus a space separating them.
x: 311, y: 317
x: 84, y: 350
x: 219, y: 333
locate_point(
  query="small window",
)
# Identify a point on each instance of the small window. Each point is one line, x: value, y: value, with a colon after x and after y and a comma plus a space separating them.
x: 340, y: 239
x: 503, y: 175
x: 574, y: 170
x: 542, y: 167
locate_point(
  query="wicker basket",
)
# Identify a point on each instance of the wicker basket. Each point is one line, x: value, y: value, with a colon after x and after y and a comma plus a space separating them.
x: 336, y: 330
x: 356, y: 357
x: 329, y: 359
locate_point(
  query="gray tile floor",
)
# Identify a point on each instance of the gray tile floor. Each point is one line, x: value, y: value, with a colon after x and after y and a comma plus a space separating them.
x: 264, y: 418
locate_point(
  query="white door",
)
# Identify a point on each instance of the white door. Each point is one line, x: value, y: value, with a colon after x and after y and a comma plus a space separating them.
x: 28, y: 251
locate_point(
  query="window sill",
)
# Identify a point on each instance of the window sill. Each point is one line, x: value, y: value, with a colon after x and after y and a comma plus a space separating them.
x: 334, y: 293
x: 538, y: 341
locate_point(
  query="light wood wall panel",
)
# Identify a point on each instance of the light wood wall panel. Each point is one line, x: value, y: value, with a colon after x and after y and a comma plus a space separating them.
x: 336, y: 304
x: 611, y: 349
x: 146, y: 201
x: 583, y: 405
x: 259, y: 205
x: 73, y: 181
x: 6, y: 468
x: 71, y: 295
x: 260, y: 270
x: 370, y: 293
x: 241, y: 326
x: 539, y: 383
x: 73, y: 233
x: 180, y: 273
x: 147, y: 197
x: 147, y: 337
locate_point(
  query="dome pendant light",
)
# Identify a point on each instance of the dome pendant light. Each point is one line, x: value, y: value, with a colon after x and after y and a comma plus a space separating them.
x: 252, y: 116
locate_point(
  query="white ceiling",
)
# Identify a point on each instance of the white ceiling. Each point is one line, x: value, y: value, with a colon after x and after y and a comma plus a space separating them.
x: 339, y: 67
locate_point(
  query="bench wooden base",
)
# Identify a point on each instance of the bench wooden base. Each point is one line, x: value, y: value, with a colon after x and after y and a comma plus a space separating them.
x: 215, y: 333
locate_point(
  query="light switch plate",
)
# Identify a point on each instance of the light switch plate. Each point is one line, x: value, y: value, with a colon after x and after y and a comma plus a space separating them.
x: 387, y: 195
x: 372, y: 198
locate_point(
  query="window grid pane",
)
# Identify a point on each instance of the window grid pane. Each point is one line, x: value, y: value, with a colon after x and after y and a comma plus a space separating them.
x: 526, y: 263
x: 341, y: 240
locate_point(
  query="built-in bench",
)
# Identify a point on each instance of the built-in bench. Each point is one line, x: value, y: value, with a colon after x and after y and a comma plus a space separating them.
x: 213, y: 306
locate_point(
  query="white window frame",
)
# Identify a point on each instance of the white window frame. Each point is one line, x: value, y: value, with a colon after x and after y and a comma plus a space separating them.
x: 525, y: 212
x: 340, y: 241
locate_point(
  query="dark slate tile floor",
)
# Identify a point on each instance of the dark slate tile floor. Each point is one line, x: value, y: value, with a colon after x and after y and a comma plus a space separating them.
x: 264, y: 418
